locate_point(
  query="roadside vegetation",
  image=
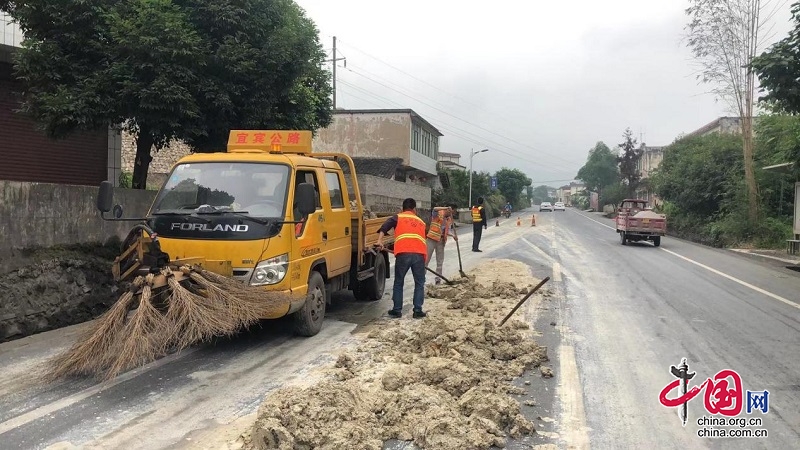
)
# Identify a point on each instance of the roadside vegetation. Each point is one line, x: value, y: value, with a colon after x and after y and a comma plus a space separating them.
x: 512, y: 185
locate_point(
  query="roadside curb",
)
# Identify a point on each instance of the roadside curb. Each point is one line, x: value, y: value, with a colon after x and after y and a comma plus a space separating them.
x: 750, y: 254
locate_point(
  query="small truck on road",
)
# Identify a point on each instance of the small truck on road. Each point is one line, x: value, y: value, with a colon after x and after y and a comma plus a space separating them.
x: 637, y: 222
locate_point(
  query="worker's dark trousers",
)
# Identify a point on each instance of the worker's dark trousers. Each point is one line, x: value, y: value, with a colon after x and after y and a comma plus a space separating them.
x: 477, y: 229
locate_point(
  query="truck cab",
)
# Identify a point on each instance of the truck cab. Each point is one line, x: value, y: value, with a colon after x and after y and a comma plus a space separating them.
x: 269, y: 213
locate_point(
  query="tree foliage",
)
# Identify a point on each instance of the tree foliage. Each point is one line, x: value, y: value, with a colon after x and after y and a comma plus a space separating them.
x: 725, y: 36
x: 696, y: 173
x: 629, y: 157
x: 778, y: 69
x: 510, y: 183
x: 458, y: 192
x: 600, y: 169
x: 705, y: 196
x: 541, y: 194
x: 170, y: 69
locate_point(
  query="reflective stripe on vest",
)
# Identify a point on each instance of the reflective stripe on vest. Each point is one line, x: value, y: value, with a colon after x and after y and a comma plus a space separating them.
x: 435, y: 233
x: 476, y: 213
x: 410, y: 235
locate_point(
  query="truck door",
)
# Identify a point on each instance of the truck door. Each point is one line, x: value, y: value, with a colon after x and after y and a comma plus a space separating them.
x: 309, y: 244
x: 337, y: 224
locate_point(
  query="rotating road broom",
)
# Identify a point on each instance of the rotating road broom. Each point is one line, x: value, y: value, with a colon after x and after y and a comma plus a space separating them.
x: 170, y: 308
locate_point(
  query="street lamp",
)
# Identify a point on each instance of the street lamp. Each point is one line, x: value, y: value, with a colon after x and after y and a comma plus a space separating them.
x: 470, y: 173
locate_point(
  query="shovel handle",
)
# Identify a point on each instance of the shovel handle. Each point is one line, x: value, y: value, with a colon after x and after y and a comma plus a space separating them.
x: 438, y: 275
x: 546, y: 279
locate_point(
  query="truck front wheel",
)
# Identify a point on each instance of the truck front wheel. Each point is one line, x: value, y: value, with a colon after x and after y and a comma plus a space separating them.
x: 308, y: 320
x: 373, y: 287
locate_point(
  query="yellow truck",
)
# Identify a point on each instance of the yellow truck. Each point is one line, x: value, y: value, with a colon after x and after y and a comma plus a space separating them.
x: 267, y: 212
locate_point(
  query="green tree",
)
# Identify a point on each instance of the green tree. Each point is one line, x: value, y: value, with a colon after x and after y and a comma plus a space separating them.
x: 600, y: 170
x: 264, y: 70
x: 183, y: 69
x: 725, y: 36
x: 510, y: 183
x: 541, y: 194
x: 458, y: 192
x: 778, y: 70
x: 629, y: 157
x: 696, y: 173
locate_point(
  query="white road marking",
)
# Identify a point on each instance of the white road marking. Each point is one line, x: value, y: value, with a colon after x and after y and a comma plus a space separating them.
x: 557, y: 272
x: 50, y: 408
x: 736, y: 280
x: 541, y: 252
x: 711, y: 269
x: 573, y: 428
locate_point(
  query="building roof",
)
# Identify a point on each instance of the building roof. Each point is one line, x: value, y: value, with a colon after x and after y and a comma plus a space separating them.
x: 379, y: 167
x: 710, y: 126
x: 390, y: 111
x: 450, y: 165
x: 450, y: 155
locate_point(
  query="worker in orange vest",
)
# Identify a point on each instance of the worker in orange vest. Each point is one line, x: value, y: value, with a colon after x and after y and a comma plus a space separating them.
x: 410, y: 252
x: 478, y: 221
x: 441, y: 223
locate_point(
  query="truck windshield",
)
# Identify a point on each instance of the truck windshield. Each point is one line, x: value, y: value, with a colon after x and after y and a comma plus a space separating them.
x: 254, y: 189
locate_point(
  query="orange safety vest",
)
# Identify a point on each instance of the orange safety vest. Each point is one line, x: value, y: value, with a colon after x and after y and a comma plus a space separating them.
x: 476, y: 214
x: 409, y: 235
x: 435, y: 233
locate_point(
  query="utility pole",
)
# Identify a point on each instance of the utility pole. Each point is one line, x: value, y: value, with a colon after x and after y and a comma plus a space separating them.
x: 335, y: 60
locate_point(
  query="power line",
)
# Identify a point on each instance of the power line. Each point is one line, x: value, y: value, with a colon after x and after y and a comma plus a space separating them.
x: 448, y: 127
x: 456, y: 117
x: 480, y: 108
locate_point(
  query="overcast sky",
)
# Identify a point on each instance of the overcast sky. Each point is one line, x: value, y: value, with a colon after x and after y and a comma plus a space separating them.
x: 543, y: 81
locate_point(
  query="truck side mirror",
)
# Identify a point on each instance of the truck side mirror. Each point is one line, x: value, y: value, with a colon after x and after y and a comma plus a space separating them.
x: 105, y: 196
x: 305, y: 198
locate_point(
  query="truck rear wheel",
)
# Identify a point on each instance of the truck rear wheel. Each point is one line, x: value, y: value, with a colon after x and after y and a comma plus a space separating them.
x: 623, y: 238
x: 657, y: 241
x: 373, y: 287
x: 308, y: 319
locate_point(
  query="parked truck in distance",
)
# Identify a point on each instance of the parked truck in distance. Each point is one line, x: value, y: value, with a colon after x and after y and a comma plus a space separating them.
x: 637, y: 222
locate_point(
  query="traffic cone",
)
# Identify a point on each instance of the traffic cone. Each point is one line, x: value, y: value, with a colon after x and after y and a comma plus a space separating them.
x: 533, y: 220
x: 518, y: 221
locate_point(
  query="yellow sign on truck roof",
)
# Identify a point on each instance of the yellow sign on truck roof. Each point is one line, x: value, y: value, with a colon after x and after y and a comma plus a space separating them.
x: 273, y: 141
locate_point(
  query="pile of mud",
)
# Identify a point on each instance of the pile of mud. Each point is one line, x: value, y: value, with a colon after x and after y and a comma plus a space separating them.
x: 56, y: 287
x: 442, y: 382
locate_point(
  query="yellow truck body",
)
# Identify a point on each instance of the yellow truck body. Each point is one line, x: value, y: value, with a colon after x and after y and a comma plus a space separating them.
x: 235, y: 213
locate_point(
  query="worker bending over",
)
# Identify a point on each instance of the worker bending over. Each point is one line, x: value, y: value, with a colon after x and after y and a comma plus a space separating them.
x: 441, y: 224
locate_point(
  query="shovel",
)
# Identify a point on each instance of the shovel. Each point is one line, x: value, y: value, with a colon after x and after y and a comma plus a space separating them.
x: 438, y: 275
x: 460, y: 268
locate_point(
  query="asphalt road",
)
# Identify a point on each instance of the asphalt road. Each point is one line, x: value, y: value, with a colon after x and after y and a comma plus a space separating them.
x: 621, y: 317
x: 633, y: 311
x: 191, y: 398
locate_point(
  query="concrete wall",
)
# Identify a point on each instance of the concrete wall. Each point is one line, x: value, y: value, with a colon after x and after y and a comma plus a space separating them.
x: 46, y: 215
x: 374, y: 135
x: 384, y: 196
x: 162, y: 162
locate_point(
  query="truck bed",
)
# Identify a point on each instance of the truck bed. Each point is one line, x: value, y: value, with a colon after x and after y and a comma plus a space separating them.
x: 645, y: 222
x: 366, y: 230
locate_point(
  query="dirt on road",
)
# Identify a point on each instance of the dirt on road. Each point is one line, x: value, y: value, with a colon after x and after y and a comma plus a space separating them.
x: 442, y: 382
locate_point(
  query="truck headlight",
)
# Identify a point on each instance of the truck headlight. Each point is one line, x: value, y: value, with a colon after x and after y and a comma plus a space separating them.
x: 270, y: 271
